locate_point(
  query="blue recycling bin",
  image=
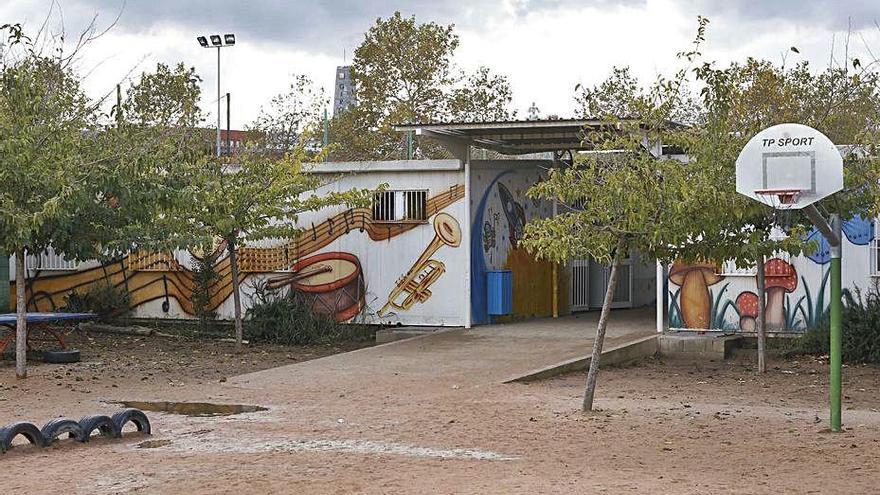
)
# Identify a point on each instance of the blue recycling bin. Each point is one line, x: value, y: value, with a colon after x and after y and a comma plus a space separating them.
x: 499, y: 286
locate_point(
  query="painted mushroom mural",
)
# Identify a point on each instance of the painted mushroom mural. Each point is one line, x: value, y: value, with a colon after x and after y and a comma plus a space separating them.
x: 747, y: 305
x: 780, y: 278
x: 694, y: 299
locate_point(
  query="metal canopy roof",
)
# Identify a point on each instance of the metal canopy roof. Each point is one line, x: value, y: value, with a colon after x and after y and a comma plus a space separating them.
x: 514, y: 137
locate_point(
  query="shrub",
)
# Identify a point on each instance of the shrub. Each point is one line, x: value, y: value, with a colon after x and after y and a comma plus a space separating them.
x: 204, y: 277
x: 103, y: 299
x: 289, y: 319
x: 861, y: 330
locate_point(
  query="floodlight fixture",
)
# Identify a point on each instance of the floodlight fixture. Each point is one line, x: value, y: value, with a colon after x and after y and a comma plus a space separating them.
x: 218, y: 42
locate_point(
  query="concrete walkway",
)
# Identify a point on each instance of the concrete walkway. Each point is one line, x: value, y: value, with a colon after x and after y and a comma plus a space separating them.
x: 474, y: 357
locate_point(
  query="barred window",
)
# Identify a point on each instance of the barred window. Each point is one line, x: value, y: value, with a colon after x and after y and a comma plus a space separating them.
x: 400, y: 206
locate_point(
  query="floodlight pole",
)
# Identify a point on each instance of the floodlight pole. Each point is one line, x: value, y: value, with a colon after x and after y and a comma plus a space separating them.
x: 832, y: 232
x: 218, y: 100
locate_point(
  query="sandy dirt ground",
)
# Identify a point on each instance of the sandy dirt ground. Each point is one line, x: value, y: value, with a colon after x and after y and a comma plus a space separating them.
x: 115, y: 364
x: 427, y: 417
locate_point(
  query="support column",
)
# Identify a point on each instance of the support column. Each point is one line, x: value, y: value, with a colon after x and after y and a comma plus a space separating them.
x: 555, y: 270
x: 661, y: 306
x: 466, y: 235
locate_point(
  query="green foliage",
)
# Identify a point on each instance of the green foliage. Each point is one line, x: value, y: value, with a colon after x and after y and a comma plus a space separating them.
x: 861, y: 330
x: 204, y: 277
x: 289, y: 319
x: 404, y: 73
x: 102, y: 298
x: 292, y: 119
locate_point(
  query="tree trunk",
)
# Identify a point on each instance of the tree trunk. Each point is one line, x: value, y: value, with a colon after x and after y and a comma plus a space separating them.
x: 236, y: 295
x: 600, y: 331
x: 20, y: 317
x: 760, y: 321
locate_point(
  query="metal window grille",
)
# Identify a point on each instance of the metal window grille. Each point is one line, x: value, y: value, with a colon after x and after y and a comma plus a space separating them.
x: 400, y: 206
x: 383, y: 206
x: 416, y: 205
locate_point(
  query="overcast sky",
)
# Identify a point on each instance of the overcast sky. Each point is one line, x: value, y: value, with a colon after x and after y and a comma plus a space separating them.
x: 545, y: 47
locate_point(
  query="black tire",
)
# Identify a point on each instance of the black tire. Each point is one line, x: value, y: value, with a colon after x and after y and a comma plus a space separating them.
x: 136, y: 416
x: 59, y: 426
x: 28, y: 430
x: 102, y: 423
x: 62, y: 356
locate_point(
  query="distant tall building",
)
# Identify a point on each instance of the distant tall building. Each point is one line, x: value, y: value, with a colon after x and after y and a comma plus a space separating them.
x: 344, y: 94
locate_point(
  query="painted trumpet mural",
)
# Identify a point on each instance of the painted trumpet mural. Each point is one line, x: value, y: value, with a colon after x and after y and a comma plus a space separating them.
x: 335, y: 281
x: 796, y: 290
x: 414, y: 286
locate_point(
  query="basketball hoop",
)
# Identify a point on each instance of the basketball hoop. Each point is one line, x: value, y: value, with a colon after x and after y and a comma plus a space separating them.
x: 780, y: 198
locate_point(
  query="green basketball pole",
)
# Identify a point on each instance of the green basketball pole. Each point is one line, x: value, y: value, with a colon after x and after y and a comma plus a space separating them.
x: 831, y: 231
x: 836, y: 331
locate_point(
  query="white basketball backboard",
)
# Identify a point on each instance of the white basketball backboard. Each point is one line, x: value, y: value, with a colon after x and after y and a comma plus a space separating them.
x: 789, y: 166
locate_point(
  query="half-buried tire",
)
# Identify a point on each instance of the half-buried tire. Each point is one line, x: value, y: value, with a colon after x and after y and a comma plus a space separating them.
x: 60, y: 426
x: 27, y: 430
x: 135, y: 416
x: 62, y: 356
x: 104, y: 424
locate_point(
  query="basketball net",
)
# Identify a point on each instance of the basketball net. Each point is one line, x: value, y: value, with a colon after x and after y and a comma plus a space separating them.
x: 781, y: 199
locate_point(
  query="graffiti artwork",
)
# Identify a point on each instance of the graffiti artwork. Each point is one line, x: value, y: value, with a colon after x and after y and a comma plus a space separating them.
x: 414, y: 286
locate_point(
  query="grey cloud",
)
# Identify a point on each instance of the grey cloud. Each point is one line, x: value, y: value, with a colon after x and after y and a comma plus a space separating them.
x: 318, y: 25
x: 833, y: 14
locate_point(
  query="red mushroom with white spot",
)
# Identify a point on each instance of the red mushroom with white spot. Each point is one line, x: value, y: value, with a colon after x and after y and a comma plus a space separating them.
x: 747, y: 305
x: 780, y: 278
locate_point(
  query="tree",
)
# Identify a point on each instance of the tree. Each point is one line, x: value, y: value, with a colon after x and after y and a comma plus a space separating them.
x: 481, y: 97
x: 741, y: 99
x: 258, y: 196
x: 285, y: 123
x: 404, y: 73
x: 71, y: 179
x: 624, y: 198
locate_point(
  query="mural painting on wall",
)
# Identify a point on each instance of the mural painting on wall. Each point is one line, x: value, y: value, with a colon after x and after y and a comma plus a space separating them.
x: 497, y: 247
x: 693, y: 304
x: 334, y: 280
x: 696, y: 306
x: 415, y: 285
x: 516, y: 215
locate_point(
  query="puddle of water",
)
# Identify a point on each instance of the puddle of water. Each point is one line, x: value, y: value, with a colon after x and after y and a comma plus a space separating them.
x: 154, y: 444
x: 201, y: 409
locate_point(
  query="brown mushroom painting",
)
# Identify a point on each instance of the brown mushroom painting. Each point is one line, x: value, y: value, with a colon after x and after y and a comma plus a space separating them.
x: 694, y: 305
